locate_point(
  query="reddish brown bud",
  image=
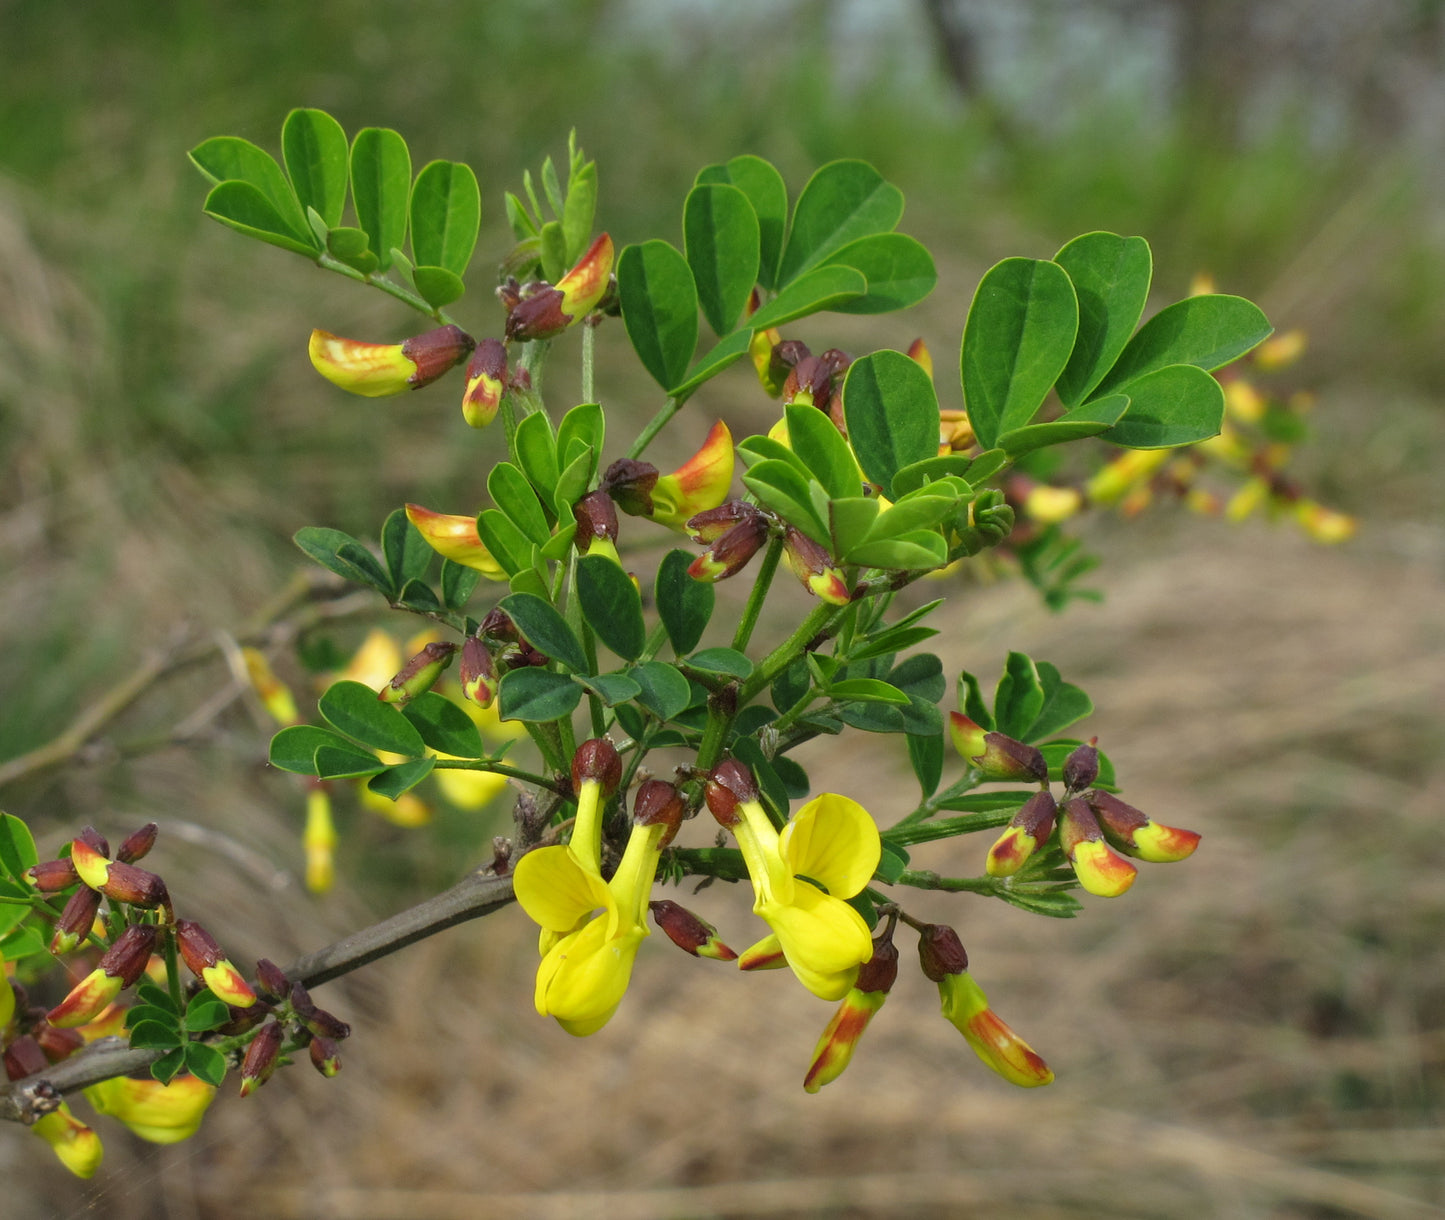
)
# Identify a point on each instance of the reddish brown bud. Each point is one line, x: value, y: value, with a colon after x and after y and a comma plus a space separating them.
x: 419, y: 673
x: 137, y: 886
x: 498, y: 626
x: 688, y: 932
x: 629, y: 482
x: 477, y: 673
x: 597, y: 759
x: 50, y: 876
x: 1081, y: 768
x: 272, y: 980
x: 24, y: 1057
x: 707, y: 527
x: 435, y: 352
x: 325, y: 1056
x: 596, y: 517
x: 486, y: 382
x: 198, y: 947
x: 730, y: 553
x: 323, y: 1024
x: 126, y: 959
x: 1005, y: 758
x: 261, y: 1056
x: 940, y: 952
x: 730, y: 784
x: 785, y: 357
x: 137, y: 845
x: 58, y: 1044
x: 75, y: 921
x: 880, y: 971
x: 97, y: 841
x: 658, y: 801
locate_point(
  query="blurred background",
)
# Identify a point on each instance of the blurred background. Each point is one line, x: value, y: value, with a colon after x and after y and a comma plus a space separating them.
x: 1257, y: 1033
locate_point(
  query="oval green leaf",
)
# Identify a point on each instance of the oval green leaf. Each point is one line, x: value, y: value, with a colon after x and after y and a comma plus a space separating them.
x: 354, y: 709
x: 892, y: 414
x: 819, y: 445
x: 545, y: 629
x: 812, y: 292
x: 664, y: 691
x: 314, y: 147
x: 659, y: 308
x: 1175, y: 405
x: 684, y: 605
x: 513, y: 495
x: 232, y: 159
x: 1205, y: 331
x: 446, y: 212
x: 1088, y: 419
x: 380, y: 187
x: 898, y: 268
x: 444, y: 726
x: 728, y: 352
x: 720, y: 241
x: 536, y: 695
x: 766, y: 191
x: 611, y: 605
x: 1111, y: 276
x: 243, y: 207
x: 437, y: 286
x: 843, y: 201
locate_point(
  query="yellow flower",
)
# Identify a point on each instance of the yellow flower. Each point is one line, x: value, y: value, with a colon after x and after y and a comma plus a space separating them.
x: 160, y: 1113
x: 77, y: 1146
x: 801, y: 877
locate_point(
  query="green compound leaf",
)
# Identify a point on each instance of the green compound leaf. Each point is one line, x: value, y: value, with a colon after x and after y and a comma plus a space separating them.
x: 816, y: 290
x: 659, y: 308
x: 766, y: 191
x: 446, y: 213
x: 26, y: 941
x: 727, y: 661
x: 354, y: 709
x: 313, y: 145
x: 395, y: 781
x: 1111, y: 276
x: 243, y: 207
x: 892, y: 415
x: 536, y: 453
x: 536, y: 695
x: 1017, y: 340
x: 578, y: 211
x: 1175, y: 405
x: 444, y: 726
x: 509, y: 546
x: 232, y: 159
x: 898, y: 268
x: 152, y: 1035
x: 611, y: 605
x: 1206, y: 332
x: 684, y: 605
x: 664, y: 691
x: 842, y: 202
x: 205, y: 1012
x: 866, y: 690
x: 546, y: 630
x: 380, y: 188
x: 351, y: 247
x: 343, y: 555
x: 720, y: 240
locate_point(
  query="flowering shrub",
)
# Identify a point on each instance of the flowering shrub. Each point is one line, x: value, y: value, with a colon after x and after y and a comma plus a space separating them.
x: 569, y: 616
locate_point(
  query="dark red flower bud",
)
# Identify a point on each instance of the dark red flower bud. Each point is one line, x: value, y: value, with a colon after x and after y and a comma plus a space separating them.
x: 261, y: 1056
x: 75, y: 921
x: 204, y: 959
x: 629, y: 482
x: 596, y: 517
x: 707, y: 527
x: 1081, y: 768
x: 137, y: 886
x: 126, y: 959
x: 325, y: 1056
x: 597, y: 759
x: 418, y: 674
x: 137, y: 845
x: 96, y: 840
x: 785, y: 358
x: 477, y: 673
x: 58, y: 1044
x: 880, y: 971
x: 323, y: 1024
x: 658, y: 801
x: 940, y: 952
x: 498, y: 626
x: 50, y: 876
x: 688, y: 932
x: 1005, y: 758
x: 23, y: 1058
x: 730, y: 553
x: 435, y: 352
x: 272, y: 981
x: 730, y: 784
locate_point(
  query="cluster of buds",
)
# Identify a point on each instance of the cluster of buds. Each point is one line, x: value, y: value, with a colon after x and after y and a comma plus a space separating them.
x: 539, y: 310
x: 734, y: 532
x: 293, y: 1019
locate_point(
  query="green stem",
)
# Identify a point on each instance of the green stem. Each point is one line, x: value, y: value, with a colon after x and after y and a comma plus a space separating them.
x: 499, y: 768
x: 946, y: 828
x: 720, y: 714
x: 655, y: 425
x: 969, y: 781
x: 818, y: 622
x: 386, y: 285
x: 549, y: 741
x: 924, y: 880
x: 589, y: 337
x: 761, y: 584
x: 656, y: 638
x: 173, y: 967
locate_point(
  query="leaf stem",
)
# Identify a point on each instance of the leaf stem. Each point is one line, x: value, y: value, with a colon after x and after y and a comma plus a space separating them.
x: 759, y: 592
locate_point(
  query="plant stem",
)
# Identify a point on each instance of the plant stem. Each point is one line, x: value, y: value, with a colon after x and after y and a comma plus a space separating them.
x: 500, y: 768
x: 818, y: 622
x: 589, y: 337
x: 388, y: 286
x: 173, y: 967
x: 760, y: 591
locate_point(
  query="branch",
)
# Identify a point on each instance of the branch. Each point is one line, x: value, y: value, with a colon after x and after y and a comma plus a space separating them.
x: 33, y: 1097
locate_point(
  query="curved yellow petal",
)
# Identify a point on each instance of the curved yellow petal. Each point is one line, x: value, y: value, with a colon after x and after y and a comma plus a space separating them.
x: 583, y: 978
x: 824, y: 939
x: 556, y: 891
x: 833, y: 841
x: 160, y: 1113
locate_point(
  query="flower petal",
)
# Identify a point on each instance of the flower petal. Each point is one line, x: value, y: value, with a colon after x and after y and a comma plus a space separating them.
x: 824, y: 939
x: 834, y: 842
x: 583, y: 978
x: 556, y: 891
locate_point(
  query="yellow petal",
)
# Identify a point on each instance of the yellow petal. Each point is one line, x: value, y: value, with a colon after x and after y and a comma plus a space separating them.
x: 824, y: 939
x: 584, y: 977
x: 77, y: 1146
x: 833, y: 841
x: 556, y: 891
x: 470, y: 789
x: 162, y: 1114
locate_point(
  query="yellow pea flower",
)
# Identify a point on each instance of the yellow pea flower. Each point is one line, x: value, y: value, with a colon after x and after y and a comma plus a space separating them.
x: 77, y: 1146
x: 160, y: 1113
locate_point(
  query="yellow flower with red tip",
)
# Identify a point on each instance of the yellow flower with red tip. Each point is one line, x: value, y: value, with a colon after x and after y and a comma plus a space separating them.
x: 378, y: 370
x: 455, y: 537
x: 486, y: 382
x: 159, y: 1113
x: 700, y: 483
x: 802, y: 876
x: 76, y: 1145
x: 548, y: 309
x: 864, y: 999
x: 1099, y: 868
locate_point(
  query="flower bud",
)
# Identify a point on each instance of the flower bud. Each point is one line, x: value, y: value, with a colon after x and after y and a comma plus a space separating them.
x: 688, y: 932
x: 707, y: 527
x: 271, y: 981
x: 58, y: 1044
x: 123, y: 882
x: 966, y: 1007
x: 1280, y: 351
x: 75, y: 921
x: 1029, y: 830
x: 204, y: 959
x: 629, y: 482
x: 1100, y: 869
x: 1133, y: 832
x: 419, y: 674
x: 729, y: 785
x: 968, y: 736
x: 767, y: 954
x: 657, y: 801
x: 1324, y: 524
x: 812, y: 565
x: 940, y: 952
x: 51, y: 876
x: 76, y: 1146
x: 546, y: 310
x: 137, y: 844
x: 261, y: 1057
x: 95, y: 840
x: 835, y: 1048
x: 454, y: 536
x: 477, y: 673
x: 1081, y: 768
x: 486, y: 381
x: 24, y: 1057
x: 118, y: 968
x: 377, y: 370
x: 700, y: 483
x: 325, y: 1056
x: 158, y: 1113
x: 498, y: 627
x: 730, y: 553
x: 1005, y: 758
x: 596, y: 517
x: 597, y: 761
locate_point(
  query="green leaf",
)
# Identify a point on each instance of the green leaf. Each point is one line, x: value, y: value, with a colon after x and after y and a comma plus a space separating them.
x: 865, y: 690
x: 559, y: 546
x: 821, y: 448
x: 728, y: 352
x: 892, y: 415
x: 232, y: 159
x: 842, y: 202
x: 720, y: 240
x: 417, y: 595
x: 25, y: 941
x: 1017, y: 340
x: 611, y: 605
x: 659, y: 308
x: 727, y: 661
x: 243, y: 207
x: 537, y: 695
x: 664, y: 691
x: 205, y: 1063
x: 444, y: 726
x: 892, y: 861
x: 916, y: 512
x: 584, y: 423
x: 1089, y: 419
x: 509, y: 546
x: 545, y: 630
x: 684, y: 605
x: 536, y: 453
x: 849, y: 519
x: 354, y: 709
x: 822, y: 288
x: 458, y: 583
x: 1176, y: 405
x: 971, y: 703
x: 165, y: 1068
x: 294, y: 749
x: 380, y: 187
x: 342, y: 554
x: 919, y: 549
x: 1063, y: 704
x: 437, y: 286
x: 578, y: 211
x: 313, y: 145
x: 530, y: 581
x: 166, y: 1016
x: 17, y: 847
x: 925, y: 754
x: 613, y: 688
x: 778, y: 486
x: 152, y: 1035
x: 917, y: 474
x: 1205, y: 331
x: 205, y: 1011
x: 446, y: 212
x: 351, y: 247
x: 766, y: 191
x: 552, y: 249
x: 401, y: 778
x: 1054, y: 903
x: 514, y: 497
x: 408, y: 556
x: 895, y: 639
x: 899, y: 270
x: 1111, y: 276
x: 1019, y: 697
